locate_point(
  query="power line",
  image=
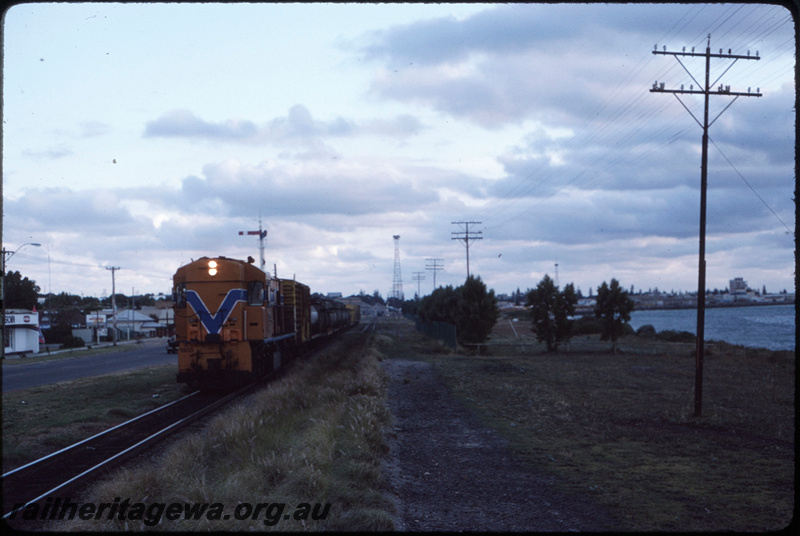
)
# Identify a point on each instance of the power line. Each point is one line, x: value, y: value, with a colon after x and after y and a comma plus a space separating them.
x: 418, y: 276
x: 609, y: 122
x: 750, y: 186
x: 466, y: 235
x: 434, y: 267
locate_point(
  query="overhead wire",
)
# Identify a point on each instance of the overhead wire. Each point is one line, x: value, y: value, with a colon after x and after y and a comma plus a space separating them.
x: 610, y: 127
x: 789, y: 231
x: 521, y: 189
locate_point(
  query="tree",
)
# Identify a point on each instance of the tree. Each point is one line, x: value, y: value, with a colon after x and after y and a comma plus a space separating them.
x: 477, y: 311
x: 371, y: 299
x: 410, y: 307
x: 397, y: 303
x: 63, y: 301
x: 122, y: 301
x: 440, y: 305
x: 613, y: 308
x: 551, y: 310
x: 471, y: 308
x: 19, y: 292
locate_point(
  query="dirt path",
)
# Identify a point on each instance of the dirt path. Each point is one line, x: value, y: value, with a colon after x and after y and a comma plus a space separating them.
x: 450, y: 473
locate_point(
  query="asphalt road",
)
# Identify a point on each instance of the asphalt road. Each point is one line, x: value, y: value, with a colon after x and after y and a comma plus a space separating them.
x: 24, y: 375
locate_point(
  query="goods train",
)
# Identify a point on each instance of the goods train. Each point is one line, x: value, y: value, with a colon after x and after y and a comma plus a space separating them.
x: 234, y: 324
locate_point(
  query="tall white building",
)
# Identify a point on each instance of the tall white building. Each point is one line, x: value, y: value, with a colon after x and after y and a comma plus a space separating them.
x: 738, y: 286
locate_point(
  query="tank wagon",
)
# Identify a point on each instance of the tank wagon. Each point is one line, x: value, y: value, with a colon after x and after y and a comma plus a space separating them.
x: 234, y: 324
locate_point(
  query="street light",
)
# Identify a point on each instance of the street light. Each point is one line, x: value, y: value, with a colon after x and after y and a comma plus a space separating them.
x: 7, y: 255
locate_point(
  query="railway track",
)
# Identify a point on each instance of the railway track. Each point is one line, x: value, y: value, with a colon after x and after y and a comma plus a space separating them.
x: 64, y: 471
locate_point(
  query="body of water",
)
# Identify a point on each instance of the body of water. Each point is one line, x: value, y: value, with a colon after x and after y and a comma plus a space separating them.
x: 769, y: 326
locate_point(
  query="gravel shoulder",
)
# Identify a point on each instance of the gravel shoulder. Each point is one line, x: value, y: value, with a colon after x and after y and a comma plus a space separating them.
x: 448, y: 472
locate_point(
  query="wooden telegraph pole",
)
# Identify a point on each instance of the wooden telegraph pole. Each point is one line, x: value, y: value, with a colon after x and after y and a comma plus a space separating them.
x: 706, y: 91
x: 466, y: 236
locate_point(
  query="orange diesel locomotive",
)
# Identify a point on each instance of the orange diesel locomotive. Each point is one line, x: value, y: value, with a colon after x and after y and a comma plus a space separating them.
x: 235, y: 324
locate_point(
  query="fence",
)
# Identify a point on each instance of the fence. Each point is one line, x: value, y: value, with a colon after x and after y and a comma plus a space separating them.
x: 437, y: 330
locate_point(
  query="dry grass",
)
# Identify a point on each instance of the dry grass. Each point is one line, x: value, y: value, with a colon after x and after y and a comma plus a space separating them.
x: 44, y: 419
x: 621, y: 427
x: 314, y: 436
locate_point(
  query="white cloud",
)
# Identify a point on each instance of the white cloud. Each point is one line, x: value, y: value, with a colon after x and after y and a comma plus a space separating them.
x: 535, y: 119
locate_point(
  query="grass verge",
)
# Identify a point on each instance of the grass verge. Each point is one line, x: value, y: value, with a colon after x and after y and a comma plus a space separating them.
x: 44, y: 419
x: 313, y: 437
x: 620, y: 427
x: 84, y: 351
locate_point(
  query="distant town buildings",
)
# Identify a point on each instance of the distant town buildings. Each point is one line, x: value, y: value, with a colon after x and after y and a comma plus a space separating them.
x: 96, y: 326
x: 737, y: 294
x: 738, y: 286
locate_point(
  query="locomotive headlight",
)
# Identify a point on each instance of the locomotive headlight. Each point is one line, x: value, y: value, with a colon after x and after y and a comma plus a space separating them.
x: 212, y: 268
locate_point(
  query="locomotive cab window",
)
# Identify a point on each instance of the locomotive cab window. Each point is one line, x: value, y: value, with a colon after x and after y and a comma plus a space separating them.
x: 179, y: 295
x: 255, y: 293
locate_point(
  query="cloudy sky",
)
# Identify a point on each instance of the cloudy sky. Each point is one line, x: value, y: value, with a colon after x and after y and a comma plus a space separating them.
x: 143, y: 136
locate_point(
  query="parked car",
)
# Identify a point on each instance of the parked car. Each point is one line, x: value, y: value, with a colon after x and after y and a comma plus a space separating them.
x: 172, y: 346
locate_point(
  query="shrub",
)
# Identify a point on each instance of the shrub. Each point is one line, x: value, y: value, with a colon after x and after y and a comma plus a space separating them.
x: 586, y: 325
x: 646, y: 331
x: 71, y: 341
x: 626, y: 330
x: 471, y: 308
x: 676, y: 336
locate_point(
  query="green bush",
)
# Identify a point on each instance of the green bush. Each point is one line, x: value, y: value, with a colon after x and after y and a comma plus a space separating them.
x: 71, y: 341
x: 627, y: 330
x: 472, y: 308
x: 676, y: 336
x: 586, y: 325
x: 646, y: 331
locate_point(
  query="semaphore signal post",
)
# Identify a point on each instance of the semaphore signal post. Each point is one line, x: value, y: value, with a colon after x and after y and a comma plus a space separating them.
x: 705, y: 90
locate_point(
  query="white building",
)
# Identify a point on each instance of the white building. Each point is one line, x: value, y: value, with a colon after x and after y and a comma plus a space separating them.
x: 738, y: 286
x: 133, y: 323
x: 21, y: 335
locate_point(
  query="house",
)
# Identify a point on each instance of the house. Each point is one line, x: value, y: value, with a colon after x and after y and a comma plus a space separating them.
x: 21, y: 334
x: 135, y: 324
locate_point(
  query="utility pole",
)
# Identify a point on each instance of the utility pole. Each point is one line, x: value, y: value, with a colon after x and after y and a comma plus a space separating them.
x: 114, y: 299
x: 435, y: 267
x: 418, y: 277
x: 706, y: 91
x: 6, y: 255
x: 466, y: 235
x: 261, y: 236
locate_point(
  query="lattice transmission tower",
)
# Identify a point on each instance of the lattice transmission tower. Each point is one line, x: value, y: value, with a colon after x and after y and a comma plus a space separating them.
x: 397, y: 282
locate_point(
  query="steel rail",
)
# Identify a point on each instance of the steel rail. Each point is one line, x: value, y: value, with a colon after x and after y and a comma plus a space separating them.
x: 130, y: 449
x: 81, y: 442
